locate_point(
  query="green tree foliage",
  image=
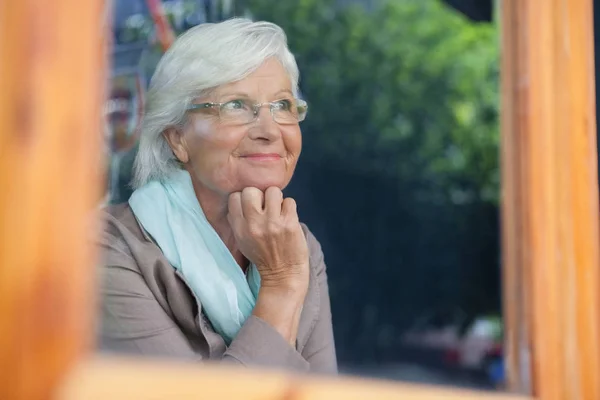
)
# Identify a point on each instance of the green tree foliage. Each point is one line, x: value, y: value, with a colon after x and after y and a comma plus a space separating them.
x: 410, y: 89
x: 399, y: 172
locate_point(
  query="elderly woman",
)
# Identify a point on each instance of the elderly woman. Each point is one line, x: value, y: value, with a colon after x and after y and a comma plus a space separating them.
x: 208, y: 260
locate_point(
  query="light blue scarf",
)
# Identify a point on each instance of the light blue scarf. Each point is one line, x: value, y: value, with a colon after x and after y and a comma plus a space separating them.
x: 169, y: 211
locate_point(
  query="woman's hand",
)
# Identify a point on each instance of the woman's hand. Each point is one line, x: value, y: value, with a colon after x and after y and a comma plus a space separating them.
x: 268, y: 233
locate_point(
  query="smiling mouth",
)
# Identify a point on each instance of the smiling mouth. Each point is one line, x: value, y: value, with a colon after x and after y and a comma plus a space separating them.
x: 262, y: 157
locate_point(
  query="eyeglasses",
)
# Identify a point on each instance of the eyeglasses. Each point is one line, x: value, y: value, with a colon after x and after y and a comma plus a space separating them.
x: 241, y: 112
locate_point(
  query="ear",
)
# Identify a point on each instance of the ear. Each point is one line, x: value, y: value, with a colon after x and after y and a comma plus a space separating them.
x: 177, y: 143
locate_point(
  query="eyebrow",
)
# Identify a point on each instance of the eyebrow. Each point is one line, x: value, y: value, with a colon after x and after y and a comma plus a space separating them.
x: 284, y: 91
x: 247, y: 96
x: 234, y: 94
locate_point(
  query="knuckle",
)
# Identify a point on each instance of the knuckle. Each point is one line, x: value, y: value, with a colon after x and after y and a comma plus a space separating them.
x: 291, y: 205
x: 292, y: 220
x: 275, y: 227
x: 289, y: 226
x: 274, y: 191
x: 256, y: 231
x: 252, y: 191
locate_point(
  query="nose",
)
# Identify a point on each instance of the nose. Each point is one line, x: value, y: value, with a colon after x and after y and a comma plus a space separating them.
x: 264, y: 127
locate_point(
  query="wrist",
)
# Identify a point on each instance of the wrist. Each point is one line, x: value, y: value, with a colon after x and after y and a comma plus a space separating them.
x: 288, y: 291
x: 281, y: 310
x: 292, y: 284
x: 285, y: 299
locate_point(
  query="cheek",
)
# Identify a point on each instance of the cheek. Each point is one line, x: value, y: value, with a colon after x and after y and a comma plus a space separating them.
x: 210, y: 154
x: 292, y: 139
x: 206, y: 142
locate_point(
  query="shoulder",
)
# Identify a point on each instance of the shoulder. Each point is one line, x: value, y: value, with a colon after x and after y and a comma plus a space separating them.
x: 120, y: 236
x: 118, y: 217
x: 119, y: 221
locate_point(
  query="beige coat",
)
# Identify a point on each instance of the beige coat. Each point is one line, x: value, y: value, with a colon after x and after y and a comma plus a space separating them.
x: 147, y: 309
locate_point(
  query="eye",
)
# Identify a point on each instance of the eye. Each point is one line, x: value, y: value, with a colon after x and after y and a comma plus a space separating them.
x: 283, y: 105
x: 235, y: 105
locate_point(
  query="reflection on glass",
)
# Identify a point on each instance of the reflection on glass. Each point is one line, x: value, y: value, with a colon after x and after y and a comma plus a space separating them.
x: 398, y: 177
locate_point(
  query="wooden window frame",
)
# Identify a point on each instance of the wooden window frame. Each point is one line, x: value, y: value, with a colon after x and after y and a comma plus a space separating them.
x: 51, y: 170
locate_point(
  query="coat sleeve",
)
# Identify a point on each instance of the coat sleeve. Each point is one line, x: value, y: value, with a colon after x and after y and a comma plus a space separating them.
x: 319, y: 351
x: 133, y: 321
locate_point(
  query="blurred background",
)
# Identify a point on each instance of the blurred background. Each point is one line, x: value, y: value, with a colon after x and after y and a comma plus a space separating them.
x: 399, y: 175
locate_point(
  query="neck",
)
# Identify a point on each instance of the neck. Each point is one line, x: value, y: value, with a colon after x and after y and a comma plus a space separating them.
x: 214, y: 206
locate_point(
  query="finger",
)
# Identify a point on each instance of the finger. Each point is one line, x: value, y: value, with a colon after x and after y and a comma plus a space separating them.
x: 234, y: 206
x: 273, y: 202
x: 252, y: 202
x: 289, y: 209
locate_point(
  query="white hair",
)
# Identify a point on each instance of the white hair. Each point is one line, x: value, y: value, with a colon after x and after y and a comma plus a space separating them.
x: 201, y: 59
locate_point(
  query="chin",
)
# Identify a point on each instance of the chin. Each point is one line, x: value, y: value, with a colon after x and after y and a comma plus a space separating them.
x: 264, y: 183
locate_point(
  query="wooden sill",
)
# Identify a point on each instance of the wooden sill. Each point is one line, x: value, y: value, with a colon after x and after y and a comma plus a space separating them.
x: 104, y: 378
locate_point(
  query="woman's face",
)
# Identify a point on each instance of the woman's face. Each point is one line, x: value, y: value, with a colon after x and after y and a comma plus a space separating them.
x: 226, y: 158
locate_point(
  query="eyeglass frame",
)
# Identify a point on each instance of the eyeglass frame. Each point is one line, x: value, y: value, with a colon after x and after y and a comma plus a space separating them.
x: 255, y: 109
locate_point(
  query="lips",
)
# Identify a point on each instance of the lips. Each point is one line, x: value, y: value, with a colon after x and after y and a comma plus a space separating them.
x: 262, y: 157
